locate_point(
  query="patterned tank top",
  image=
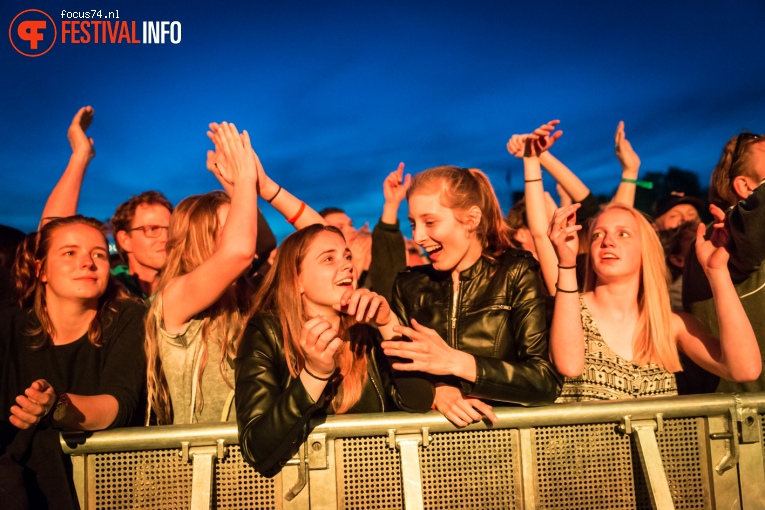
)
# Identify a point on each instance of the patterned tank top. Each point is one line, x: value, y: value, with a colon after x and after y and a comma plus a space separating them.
x: 608, y: 376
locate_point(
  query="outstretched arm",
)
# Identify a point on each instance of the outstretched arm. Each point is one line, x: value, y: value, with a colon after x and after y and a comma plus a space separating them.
x: 189, y: 294
x: 630, y: 162
x: 63, y: 199
x: 736, y: 356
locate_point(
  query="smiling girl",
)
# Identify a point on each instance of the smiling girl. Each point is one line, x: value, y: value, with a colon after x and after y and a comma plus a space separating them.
x: 476, y: 315
x: 70, y: 357
x: 620, y: 339
x: 311, y: 349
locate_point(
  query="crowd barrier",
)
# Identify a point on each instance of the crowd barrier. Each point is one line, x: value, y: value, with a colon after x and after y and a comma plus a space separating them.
x: 690, y: 452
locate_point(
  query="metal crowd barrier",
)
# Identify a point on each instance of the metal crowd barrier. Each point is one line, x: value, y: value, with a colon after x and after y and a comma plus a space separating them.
x: 691, y: 452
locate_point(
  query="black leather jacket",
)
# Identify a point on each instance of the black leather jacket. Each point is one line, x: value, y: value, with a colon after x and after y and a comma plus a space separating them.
x: 497, y: 314
x: 273, y: 409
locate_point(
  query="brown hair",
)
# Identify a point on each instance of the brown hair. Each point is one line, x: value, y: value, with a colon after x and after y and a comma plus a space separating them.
x: 192, y: 239
x: 123, y: 216
x: 652, y: 341
x: 31, y: 259
x: 734, y: 162
x: 279, y: 295
x: 462, y: 188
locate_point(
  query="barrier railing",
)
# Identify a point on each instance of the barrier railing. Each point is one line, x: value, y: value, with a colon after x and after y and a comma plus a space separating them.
x: 701, y: 451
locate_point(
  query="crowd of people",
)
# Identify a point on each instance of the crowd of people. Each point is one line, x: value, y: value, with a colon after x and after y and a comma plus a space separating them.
x: 201, y: 318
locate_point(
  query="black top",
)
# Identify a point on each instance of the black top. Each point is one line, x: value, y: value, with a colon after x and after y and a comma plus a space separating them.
x: 117, y: 368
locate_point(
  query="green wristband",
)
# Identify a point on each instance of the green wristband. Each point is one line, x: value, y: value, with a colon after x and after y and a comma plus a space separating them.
x: 642, y: 184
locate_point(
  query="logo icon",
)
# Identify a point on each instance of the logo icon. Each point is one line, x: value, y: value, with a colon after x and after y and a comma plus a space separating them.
x: 32, y: 33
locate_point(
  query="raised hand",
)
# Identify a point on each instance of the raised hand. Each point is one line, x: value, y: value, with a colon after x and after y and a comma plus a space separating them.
x: 216, y: 162
x: 366, y: 306
x: 319, y: 343
x: 516, y: 145
x: 626, y: 155
x: 33, y: 405
x: 712, y: 253
x: 460, y: 410
x: 79, y: 141
x: 396, y: 185
x: 241, y: 162
x: 541, y: 139
x: 563, y: 236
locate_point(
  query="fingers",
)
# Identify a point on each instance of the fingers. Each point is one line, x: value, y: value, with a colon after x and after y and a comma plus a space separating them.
x: 400, y: 171
x: 484, y: 408
x: 717, y: 213
x: 619, y: 135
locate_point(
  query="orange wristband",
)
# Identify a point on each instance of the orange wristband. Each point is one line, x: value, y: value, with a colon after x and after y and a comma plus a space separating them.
x: 292, y: 221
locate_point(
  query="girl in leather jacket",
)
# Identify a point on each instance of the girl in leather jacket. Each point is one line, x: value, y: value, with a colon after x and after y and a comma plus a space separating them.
x: 474, y: 319
x: 311, y: 349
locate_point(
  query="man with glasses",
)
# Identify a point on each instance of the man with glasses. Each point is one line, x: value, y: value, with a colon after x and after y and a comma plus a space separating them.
x: 140, y: 228
x: 736, y: 187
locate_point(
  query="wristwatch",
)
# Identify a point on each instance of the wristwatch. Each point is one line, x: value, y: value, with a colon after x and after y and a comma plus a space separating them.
x: 60, y: 407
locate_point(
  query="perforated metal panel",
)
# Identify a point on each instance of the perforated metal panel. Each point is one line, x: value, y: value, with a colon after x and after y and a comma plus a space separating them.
x: 151, y: 480
x: 370, y: 474
x: 237, y: 485
x: 478, y: 469
x: 160, y: 480
x: 594, y: 466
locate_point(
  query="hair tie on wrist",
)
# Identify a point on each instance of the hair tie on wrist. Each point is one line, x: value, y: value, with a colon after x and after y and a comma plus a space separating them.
x: 565, y: 290
x: 305, y: 369
x: 269, y: 200
x: 642, y: 184
x: 532, y: 180
x: 297, y: 216
x: 566, y: 267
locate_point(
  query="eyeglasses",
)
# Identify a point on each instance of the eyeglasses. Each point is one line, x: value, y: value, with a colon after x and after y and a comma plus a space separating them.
x: 741, y: 138
x: 151, y: 231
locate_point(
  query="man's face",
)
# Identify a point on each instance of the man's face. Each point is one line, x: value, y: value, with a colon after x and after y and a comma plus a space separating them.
x: 145, y: 242
x: 342, y: 222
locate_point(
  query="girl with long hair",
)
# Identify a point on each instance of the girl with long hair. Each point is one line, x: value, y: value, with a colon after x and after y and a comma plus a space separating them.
x: 475, y: 316
x: 311, y: 349
x: 70, y: 355
x: 620, y: 338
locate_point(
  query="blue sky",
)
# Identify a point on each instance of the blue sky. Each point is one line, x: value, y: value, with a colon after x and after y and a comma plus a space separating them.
x: 335, y: 94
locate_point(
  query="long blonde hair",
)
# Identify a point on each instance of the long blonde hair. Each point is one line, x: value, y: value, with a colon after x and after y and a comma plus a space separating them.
x: 462, y: 188
x: 192, y: 239
x: 652, y: 341
x: 279, y: 296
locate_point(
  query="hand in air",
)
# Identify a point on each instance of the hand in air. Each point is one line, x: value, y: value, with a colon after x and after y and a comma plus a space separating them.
x: 460, y: 410
x: 396, y: 185
x: 541, y: 139
x: 79, y: 141
x: 516, y: 145
x: 319, y: 343
x: 366, y: 306
x: 216, y: 161
x: 241, y: 162
x: 563, y: 234
x: 33, y: 405
x: 626, y: 155
x: 427, y: 350
x: 712, y: 253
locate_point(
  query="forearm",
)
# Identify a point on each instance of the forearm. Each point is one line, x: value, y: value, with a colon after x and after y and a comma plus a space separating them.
x: 390, y: 212
x: 739, y: 351
x: 95, y: 412
x: 536, y: 212
x: 625, y: 193
x: 63, y: 200
x: 240, y: 231
x: 573, y: 185
x: 528, y: 383
x: 566, y: 335
x: 289, y: 205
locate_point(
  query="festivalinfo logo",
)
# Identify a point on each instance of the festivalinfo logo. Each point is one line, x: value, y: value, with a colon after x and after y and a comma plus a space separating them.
x: 34, y: 32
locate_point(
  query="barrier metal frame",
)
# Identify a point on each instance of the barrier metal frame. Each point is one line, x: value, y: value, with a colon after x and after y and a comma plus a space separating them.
x: 727, y: 430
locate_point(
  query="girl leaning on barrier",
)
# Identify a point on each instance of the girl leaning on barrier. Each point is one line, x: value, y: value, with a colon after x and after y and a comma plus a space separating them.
x: 474, y: 319
x: 70, y: 358
x: 620, y: 338
x: 312, y: 349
